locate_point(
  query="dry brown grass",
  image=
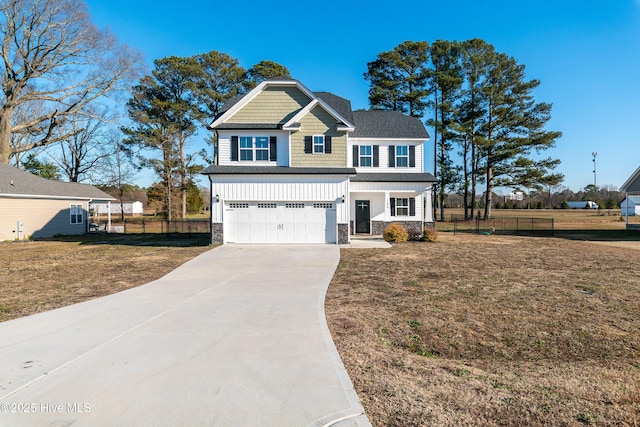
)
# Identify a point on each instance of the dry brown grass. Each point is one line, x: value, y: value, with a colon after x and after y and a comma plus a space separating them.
x: 42, y: 275
x: 491, y: 330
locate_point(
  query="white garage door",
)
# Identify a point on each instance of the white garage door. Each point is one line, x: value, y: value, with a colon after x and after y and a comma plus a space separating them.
x: 281, y: 222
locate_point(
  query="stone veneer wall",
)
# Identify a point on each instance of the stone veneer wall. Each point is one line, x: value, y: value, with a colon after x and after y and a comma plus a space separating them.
x: 343, y: 234
x: 217, y: 232
x: 377, y: 227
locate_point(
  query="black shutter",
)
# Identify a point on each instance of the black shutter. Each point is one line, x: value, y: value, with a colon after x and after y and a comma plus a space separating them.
x: 412, y: 206
x: 234, y: 148
x: 308, y: 145
x: 392, y: 204
x: 273, y: 148
x: 376, y: 156
x: 412, y: 156
x: 392, y: 156
x: 327, y: 144
x: 356, y: 156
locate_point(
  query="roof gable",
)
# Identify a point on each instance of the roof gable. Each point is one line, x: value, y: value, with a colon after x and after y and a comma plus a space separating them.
x: 286, y: 114
x: 17, y: 183
x: 633, y: 183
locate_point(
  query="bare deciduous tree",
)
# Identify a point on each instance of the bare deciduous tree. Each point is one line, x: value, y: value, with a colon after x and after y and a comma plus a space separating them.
x: 53, y: 56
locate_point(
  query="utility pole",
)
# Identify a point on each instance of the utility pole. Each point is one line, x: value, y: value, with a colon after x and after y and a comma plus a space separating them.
x: 594, y: 154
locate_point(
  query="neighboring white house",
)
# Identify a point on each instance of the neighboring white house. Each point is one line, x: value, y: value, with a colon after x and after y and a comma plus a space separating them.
x: 631, y: 186
x: 130, y: 208
x: 297, y: 166
x: 630, y: 206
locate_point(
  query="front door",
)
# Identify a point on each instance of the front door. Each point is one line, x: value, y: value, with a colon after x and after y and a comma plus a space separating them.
x: 362, y: 216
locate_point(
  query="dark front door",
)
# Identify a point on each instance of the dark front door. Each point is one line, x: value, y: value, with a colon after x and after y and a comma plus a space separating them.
x: 362, y: 216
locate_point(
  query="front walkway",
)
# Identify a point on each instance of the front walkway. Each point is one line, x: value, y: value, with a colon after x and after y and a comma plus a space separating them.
x: 235, y: 337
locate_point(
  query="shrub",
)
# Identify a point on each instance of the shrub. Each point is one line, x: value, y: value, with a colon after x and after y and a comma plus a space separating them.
x: 430, y: 234
x: 395, y: 233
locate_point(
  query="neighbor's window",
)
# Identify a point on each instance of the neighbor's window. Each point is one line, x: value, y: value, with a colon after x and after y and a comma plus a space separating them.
x: 402, y: 207
x: 366, y: 155
x: 402, y: 156
x: 76, y: 214
x: 246, y: 148
x: 318, y: 143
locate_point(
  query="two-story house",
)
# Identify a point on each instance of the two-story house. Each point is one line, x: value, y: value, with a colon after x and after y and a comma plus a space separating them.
x: 296, y: 166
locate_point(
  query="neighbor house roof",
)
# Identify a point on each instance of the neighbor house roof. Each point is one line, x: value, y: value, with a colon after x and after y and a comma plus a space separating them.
x: 17, y: 183
x: 633, y: 183
x: 275, y: 170
x: 388, y: 125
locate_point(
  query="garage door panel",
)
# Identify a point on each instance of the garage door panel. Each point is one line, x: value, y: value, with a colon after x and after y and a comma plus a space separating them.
x: 269, y: 222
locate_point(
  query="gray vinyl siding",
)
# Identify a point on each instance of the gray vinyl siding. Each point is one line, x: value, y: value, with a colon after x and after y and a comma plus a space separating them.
x: 41, y: 218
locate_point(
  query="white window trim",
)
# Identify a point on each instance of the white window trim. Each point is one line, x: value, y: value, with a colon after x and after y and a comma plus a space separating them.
x: 369, y: 156
x: 314, y: 145
x: 398, y: 156
x: 402, y: 207
x: 76, y: 212
x: 254, y: 149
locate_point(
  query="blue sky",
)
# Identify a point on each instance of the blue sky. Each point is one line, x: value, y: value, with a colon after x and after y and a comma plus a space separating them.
x: 586, y: 54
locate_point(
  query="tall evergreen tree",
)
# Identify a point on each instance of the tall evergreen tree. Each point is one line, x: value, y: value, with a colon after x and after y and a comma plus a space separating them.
x: 446, y: 82
x: 398, y: 79
x: 163, y: 113
x: 265, y: 70
x: 513, y: 128
x: 219, y: 78
x: 476, y: 57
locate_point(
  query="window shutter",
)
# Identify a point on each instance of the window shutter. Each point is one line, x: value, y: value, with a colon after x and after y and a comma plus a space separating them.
x: 376, y: 156
x: 412, y: 156
x: 356, y: 156
x: 273, y: 148
x: 308, y: 144
x: 412, y: 206
x: 392, y: 156
x: 327, y: 144
x: 392, y: 204
x: 234, y: 148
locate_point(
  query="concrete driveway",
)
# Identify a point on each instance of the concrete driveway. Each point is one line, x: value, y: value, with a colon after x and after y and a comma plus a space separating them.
x: 235, y: 337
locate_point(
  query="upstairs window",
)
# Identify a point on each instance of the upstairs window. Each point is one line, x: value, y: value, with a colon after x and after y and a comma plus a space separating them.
x: 254, y: 148
x: 318, y: 143
x: 402, y: 156
x: 246, y: 148
x: 262, y: 148
x: 366, y: 155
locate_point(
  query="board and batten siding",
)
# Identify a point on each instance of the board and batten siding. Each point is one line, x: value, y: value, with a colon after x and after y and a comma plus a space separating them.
x: 319, y: 122
x: 224, y: 144
x: 384, y: 156
x: 41, y: 217
x: 374, y: 190
x: 273, y: 105
x: 279, y: 188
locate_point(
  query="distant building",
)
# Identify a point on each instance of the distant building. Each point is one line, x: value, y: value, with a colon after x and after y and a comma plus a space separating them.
x: 130, y: 208
x: 630, y: 206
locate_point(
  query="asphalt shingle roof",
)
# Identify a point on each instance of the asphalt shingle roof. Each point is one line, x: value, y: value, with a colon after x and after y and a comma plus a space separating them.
x: 387, y: 124
x: 341, y: 105
x: 15, y: 182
